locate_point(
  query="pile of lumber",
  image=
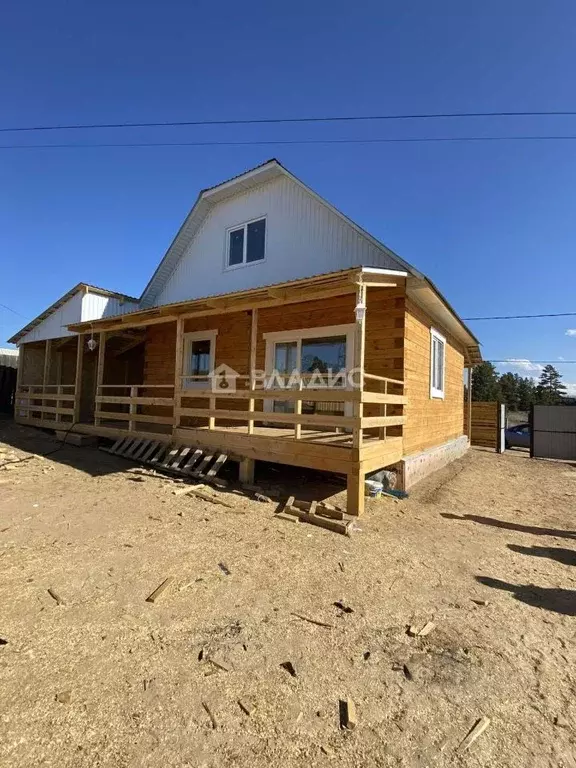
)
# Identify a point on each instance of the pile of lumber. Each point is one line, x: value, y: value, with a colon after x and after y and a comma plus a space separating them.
x: 319, y: 513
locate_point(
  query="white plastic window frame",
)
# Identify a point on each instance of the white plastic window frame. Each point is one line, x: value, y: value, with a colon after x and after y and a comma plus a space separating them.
x: 244, y: 226
x: 437, y: 393
x: 188, y: 339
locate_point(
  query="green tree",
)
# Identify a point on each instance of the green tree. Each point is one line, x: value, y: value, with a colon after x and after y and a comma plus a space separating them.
x: 509, y: 388
x: 485, y: 382
x: 550, y: 390
x: 526, y: 393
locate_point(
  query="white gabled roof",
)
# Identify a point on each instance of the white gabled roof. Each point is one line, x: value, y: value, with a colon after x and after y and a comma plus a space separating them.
x: 79, y: 288
x: 208, y: 198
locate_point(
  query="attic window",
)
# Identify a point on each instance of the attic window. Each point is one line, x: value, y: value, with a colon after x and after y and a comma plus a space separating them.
x: 246, y: 244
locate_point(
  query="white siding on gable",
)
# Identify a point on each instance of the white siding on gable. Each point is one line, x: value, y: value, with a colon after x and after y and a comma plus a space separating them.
x: 95, y: 306
x: 54, y: 326
x: 79, y: 308
x: 303, y: 238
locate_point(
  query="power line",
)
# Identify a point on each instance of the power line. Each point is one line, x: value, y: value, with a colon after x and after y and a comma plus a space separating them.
x: 539, y: 362
x: 521, y: 317
x: 11, y: 310
x: 254, y: 143
x: 279, y: 120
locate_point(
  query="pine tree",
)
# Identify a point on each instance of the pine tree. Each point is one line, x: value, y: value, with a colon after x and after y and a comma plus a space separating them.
x: 550, y: 390
x: 509, y: 387
x: 526, y: 394
x: 485, y: 384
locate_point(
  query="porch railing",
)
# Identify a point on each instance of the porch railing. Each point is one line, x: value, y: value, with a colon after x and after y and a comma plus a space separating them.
x: 55, y: 400
x: 132, y: 400
x: 357, y: 423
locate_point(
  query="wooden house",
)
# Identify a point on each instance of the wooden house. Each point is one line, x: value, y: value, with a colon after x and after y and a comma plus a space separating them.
x: 274, y: 328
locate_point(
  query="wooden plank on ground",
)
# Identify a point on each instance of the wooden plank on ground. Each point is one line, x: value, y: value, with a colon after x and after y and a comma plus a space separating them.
x: 158, y: 455
x: 199, y: 471
x: 215, y: 468
x: 151, y: 448
x: 115, y: 446
x: 129, y: 454
x: 141, y: 449
x: 171, y: 455
x: 180, y: 457
x: 187, y: 468
x: 126, y: 443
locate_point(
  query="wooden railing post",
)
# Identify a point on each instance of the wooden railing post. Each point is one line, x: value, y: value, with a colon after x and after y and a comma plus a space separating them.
x: 298, y: 411
x: 133, y: 409
x: 78, y: 378
x: 252, y: 365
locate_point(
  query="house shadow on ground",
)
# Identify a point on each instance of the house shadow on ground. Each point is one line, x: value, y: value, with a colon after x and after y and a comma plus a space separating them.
x: 511, y: 526
x: 276, y: 480
x: 563, y: 556
x: 548, y: 598
x: 30, y: 442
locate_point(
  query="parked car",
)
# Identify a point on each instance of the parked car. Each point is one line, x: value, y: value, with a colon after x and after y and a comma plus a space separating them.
x: 518, y: 436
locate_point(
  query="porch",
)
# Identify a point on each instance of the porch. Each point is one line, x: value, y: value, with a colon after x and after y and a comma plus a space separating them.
x: 135, y: 381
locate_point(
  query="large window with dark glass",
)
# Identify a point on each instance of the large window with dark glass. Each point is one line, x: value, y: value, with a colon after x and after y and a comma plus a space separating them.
x: 246, y: 243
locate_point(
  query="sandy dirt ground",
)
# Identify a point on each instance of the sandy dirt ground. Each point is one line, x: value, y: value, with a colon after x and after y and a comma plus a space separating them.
x: 222, y: 671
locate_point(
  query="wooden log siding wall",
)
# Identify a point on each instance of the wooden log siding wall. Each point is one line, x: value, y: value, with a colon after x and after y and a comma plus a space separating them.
x: 430, y: 421
x: 384, y: 343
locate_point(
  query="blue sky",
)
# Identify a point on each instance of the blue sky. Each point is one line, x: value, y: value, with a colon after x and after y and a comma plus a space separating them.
x: 493, y: 224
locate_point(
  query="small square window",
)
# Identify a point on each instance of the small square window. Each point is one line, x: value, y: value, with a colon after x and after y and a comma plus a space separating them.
x: 437, y: 363
x: 246, y: 244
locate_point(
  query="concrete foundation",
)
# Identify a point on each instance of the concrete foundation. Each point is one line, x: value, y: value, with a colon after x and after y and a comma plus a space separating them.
x: 419, y: 465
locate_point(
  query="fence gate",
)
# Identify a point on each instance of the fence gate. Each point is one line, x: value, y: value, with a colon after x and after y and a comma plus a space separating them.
x: 488, y: 424
x: 553, y: 432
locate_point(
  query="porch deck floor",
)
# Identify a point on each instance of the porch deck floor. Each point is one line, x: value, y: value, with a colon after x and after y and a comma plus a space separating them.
x: 339, y: 439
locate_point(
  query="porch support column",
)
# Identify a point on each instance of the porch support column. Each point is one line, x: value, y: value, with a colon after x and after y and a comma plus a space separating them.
x: 355, y: 492
x: 99, y: 374
x: 252, y: 364
x: 19, y: 370
x: 355, y: 480
x: 46, y: 373
x: 78, y: 378
x: 246, y: 471
x: 469, y: 420
x: 59, y: 382
x: 359, y: 344
x: 178, y: 367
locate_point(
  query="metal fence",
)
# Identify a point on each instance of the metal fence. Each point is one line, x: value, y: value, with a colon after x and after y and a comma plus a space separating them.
x: 553, y: 432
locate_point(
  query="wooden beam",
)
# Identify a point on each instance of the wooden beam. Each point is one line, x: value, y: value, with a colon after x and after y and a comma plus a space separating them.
x: 247, y: 304
x: 139, y: 400
x: 359, y: 355
x: 469, y: 425
x: 100, y: 368
x: 47, y: 361
x: 178, y: 368
x: 78, y: 377
x: 246, y: 471
x: 252, y: 363
x: 355, y: 494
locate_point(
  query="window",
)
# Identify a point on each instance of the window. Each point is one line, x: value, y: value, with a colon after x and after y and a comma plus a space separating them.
x: 437, y: 363
x: 246, y: 244
x: 199, y: 348
x: 313, y: 351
